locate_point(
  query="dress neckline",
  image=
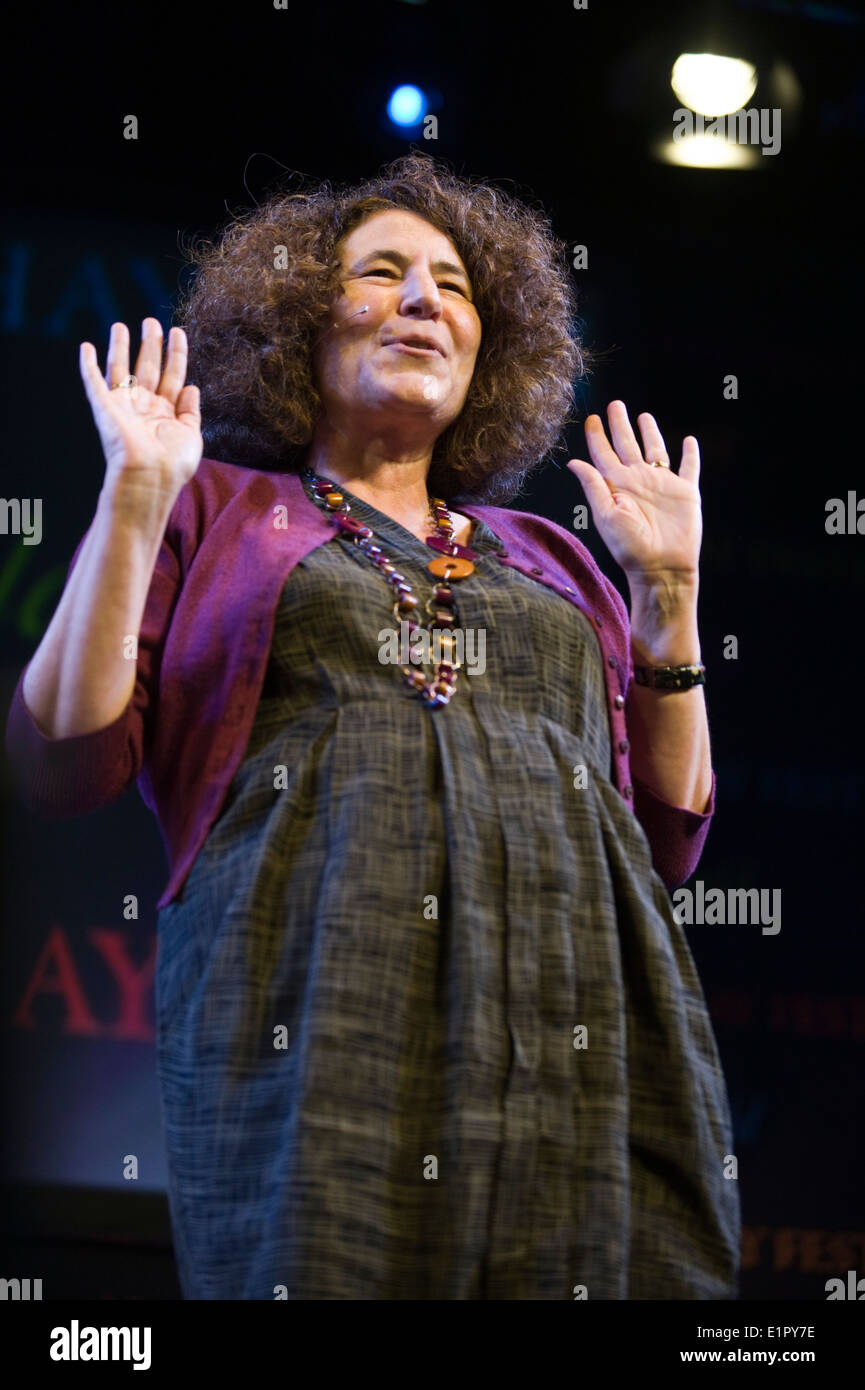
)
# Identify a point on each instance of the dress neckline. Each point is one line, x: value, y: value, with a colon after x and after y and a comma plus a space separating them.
x: 480, y: 532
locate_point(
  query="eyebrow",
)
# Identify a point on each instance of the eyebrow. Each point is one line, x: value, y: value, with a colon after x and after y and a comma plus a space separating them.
x: 402, y: 261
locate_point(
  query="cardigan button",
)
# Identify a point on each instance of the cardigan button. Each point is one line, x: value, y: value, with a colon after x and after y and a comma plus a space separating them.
x: 535, y: 570
x: 619, y: 701
x: 624, y: 745
x: 569, y: 590
x: 503, y: 555
x: 612, y: 661
x: 598, y: 620
x: 629, y: 790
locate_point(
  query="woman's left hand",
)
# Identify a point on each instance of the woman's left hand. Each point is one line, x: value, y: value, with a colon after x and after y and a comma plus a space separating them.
x: 649, y: 518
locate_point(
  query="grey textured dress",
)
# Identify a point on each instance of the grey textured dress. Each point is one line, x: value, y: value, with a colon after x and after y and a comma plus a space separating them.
x: 427, y: 1026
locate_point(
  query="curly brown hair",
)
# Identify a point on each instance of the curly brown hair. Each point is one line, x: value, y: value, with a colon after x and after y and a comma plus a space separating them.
x: 252, y: 327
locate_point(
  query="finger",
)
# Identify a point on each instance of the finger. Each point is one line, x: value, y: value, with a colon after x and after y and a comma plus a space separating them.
x: 595, y: 486
x: 624, y: 439
x: 654, y: 448
x: 689, y: 468
x: 95, y: 386
x: 175, y: 365
x: 187, y: 407
x: 600, y: 448
x: 117, y: 365
x: 148, y: 367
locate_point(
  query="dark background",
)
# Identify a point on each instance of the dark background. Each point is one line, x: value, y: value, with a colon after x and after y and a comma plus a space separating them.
x: 692, y: 276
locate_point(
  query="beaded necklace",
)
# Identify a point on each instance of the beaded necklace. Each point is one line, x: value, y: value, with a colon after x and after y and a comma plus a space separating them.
x: 452, y: 562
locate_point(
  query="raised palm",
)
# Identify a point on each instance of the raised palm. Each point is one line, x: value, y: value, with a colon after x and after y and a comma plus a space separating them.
x: 649, y: 518
x: 150, y: 431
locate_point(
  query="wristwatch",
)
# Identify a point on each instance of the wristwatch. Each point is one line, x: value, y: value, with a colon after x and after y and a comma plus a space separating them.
x: 670, y: 677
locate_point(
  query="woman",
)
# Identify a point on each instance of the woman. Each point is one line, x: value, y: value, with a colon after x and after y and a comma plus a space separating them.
x: 427, y: 1026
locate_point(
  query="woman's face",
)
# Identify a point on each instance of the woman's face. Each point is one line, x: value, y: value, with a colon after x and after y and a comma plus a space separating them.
x: 415, y: 284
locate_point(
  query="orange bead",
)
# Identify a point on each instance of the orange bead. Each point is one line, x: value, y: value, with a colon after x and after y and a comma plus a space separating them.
x: 451, y: 567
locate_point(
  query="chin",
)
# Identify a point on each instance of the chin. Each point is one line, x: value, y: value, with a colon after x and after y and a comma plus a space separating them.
x: 414, y: 396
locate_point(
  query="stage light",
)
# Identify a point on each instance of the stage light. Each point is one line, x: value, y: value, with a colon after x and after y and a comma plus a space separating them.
x: 713, y: 85
x: 407, y: 105
x: 706, y: 152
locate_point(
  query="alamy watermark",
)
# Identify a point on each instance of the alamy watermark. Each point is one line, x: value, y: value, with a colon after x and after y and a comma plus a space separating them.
x: 756, y: 126
x: 77, y: 1343
x: 845, y: 519
x: 20, y: 1290
x: 463, y: 647
x: 22, y: 516
x: 730, y: 907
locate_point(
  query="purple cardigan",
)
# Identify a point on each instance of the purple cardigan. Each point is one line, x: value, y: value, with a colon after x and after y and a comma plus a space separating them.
x: 231, y: 541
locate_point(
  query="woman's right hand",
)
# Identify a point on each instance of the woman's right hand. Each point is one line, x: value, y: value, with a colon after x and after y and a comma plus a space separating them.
x: 151, y: 432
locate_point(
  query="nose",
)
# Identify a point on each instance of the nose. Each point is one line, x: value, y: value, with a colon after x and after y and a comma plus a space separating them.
x: 420, y: 296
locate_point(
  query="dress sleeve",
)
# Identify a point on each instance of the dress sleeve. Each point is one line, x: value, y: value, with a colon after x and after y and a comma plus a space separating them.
x: 64, y: 777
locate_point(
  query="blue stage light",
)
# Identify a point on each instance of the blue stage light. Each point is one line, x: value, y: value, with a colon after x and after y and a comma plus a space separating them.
x: 407, y: 105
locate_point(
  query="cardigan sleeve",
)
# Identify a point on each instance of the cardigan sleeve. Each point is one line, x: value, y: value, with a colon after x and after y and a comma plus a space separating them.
x: 64, y: 777
x: 675, y: 834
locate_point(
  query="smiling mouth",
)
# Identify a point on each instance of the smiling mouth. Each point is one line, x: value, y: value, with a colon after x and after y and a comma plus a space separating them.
x: 416, y: 351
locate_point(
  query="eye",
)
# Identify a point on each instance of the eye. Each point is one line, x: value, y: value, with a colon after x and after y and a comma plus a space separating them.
x: 387, y: 270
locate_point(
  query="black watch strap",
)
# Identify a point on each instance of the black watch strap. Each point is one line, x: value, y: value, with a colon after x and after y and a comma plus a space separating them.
x: 670, y: 677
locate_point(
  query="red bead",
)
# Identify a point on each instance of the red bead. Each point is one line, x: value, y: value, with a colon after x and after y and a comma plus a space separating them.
x: 354, y: 528
x: 449, y: 547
